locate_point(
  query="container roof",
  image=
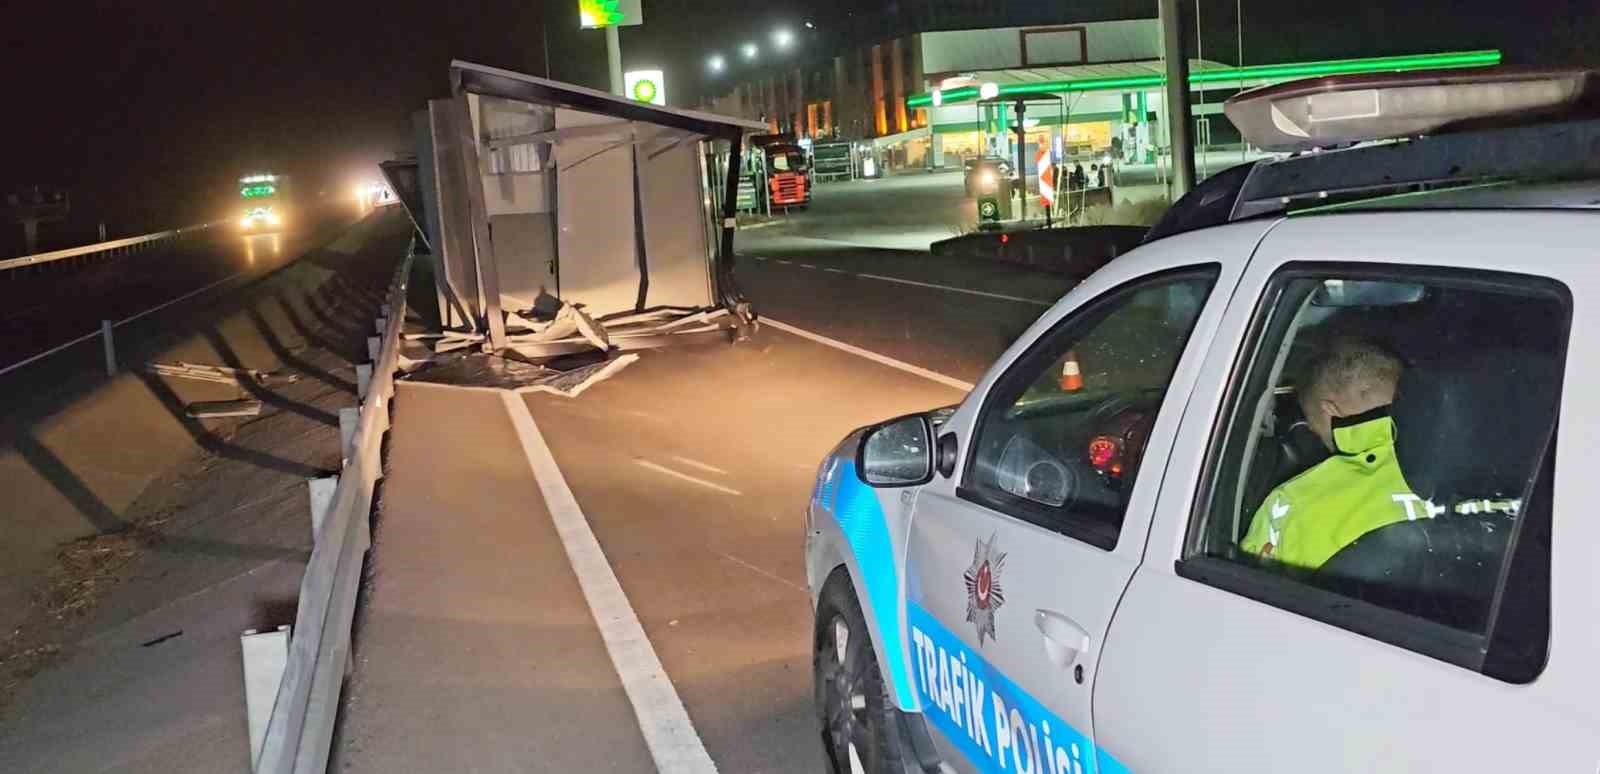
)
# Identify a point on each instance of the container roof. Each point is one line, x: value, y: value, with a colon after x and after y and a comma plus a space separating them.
x: 492, y: 81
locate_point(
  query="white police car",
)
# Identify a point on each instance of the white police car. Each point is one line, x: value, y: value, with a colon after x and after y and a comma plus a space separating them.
x: 1048, y: 578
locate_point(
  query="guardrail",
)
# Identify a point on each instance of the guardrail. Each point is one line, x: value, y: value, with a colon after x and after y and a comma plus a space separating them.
x: 299, y: 732
x: 128, y: 243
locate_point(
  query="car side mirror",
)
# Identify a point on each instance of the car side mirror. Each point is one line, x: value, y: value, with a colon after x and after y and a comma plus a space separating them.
x: 897, y: 453
x: 944, y: 454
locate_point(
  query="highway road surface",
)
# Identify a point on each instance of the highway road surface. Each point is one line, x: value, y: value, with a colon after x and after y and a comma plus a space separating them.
x: 43, y: 307
x: 615, y: 582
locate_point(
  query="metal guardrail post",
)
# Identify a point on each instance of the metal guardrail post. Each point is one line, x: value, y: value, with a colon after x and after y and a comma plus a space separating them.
x: 111, y: 347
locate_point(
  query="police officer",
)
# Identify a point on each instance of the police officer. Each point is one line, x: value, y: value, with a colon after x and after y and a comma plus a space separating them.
x: 1307, y: 519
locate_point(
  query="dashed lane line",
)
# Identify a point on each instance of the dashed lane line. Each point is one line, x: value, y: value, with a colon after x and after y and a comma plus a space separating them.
x: 929, y: 285
x: 968, y: 291
x: 666, y: 471
x: 668, y: 732
x: 870, y: 355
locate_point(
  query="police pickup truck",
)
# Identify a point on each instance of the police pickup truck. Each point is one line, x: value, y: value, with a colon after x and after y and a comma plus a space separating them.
x: 1274, y: 491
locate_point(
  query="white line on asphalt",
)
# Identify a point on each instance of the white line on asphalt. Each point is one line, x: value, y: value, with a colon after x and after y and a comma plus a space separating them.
x: 668, y: 731
x: 968, y: 291
x: 930, y: 285
x: 117, y: 324
x: 700, y: 465
x: 870, y: 355
x: 686, y: 477
x: 759, y: 571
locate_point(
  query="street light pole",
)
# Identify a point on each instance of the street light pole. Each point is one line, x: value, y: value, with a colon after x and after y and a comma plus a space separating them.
x: 1177, y: 98
x: 614, y: 58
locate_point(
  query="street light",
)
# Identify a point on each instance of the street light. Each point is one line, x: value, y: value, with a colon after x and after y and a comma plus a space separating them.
x: 715, y: 63
x: 782, y: 38
x: 749, y: 50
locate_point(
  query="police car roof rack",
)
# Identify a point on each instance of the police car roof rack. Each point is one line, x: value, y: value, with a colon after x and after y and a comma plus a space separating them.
x: 1537, y: 152
x: 1398, y: 133
x: 1565, y: 150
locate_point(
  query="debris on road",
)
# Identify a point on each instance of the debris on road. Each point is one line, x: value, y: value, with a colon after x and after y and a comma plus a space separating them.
x: 568, y: 321
x: 211, y: 409
x: 220, y: 374
x: 568, y: 376
x: 572, y: 383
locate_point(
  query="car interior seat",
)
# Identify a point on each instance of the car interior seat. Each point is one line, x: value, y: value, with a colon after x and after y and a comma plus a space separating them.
x: 1467, y: 428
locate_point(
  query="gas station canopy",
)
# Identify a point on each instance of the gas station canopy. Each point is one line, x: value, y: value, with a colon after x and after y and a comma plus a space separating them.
x: 1149, y: 74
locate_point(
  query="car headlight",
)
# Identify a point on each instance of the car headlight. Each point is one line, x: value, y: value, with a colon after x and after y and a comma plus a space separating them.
x: 273, y: 219
x: 244, y: 222
x: 986, y: 179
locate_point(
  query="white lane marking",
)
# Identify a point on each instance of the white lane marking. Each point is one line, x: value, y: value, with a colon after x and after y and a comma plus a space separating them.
x: 117, y: 324
x: 784, y: 262
x: 668, y: 731
x: 757, y: 570
x: 759, y: 257
x: 870, y: 355
x: 648, y: 465
x: 836, y: 271
x: 968, y: 291
x: 807, y: 266
x: 700, y: 465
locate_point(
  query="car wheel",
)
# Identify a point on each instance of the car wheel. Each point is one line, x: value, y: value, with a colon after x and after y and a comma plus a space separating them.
x: 852, y: 701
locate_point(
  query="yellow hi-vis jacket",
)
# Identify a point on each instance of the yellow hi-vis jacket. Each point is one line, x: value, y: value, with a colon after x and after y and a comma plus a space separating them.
x: 1307, y: 519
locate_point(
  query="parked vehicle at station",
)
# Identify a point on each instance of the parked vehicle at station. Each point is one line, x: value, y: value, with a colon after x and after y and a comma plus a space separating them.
x: 788, y: 171
x: 984, y: 175
x: 1275, y: 491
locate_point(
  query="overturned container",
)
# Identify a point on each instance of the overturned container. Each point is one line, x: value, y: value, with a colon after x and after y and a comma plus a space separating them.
x: 562, y: 220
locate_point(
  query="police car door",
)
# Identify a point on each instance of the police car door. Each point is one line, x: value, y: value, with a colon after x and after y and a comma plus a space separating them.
x: 1431, y: 643
x: 1018, y: 555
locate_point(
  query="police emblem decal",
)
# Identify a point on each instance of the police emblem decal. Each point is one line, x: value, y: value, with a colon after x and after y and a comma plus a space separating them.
x: 985, y: 594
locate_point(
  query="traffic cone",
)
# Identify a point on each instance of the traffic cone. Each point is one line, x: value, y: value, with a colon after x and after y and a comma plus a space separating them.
x: 1071, y: 374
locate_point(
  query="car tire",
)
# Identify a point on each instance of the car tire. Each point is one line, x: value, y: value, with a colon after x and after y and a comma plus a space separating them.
x: 852, y: 701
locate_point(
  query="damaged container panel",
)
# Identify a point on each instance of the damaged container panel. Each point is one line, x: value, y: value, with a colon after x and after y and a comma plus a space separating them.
x: 548, y: 195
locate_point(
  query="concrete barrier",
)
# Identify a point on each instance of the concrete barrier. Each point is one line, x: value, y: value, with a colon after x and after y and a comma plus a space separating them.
x: 1074, y: 252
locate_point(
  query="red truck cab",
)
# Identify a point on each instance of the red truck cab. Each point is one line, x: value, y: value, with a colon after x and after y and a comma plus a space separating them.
x: 788, y: 175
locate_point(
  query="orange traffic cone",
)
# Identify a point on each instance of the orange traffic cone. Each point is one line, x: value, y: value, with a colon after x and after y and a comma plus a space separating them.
x: 1071, y: 374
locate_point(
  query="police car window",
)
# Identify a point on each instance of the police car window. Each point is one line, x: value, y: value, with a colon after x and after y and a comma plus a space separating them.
x: 1062, y: 433
x: 1386, y: 436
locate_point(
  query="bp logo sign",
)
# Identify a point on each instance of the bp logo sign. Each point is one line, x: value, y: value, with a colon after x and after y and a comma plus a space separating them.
x: 645, y: 86
x: 988, y: 209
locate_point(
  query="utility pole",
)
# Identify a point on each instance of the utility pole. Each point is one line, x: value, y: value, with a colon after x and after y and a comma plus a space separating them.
x: 614, y: 58
x: 1177, y: 98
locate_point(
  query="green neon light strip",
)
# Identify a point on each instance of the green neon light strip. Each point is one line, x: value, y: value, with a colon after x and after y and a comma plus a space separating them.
x: 1379, y: 64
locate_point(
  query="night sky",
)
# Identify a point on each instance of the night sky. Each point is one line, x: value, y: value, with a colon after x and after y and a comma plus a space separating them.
x: 148, y: 111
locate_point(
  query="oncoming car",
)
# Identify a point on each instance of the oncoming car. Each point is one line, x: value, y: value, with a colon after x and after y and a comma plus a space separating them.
x: 1275, y: 491
x: 260, y: 219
